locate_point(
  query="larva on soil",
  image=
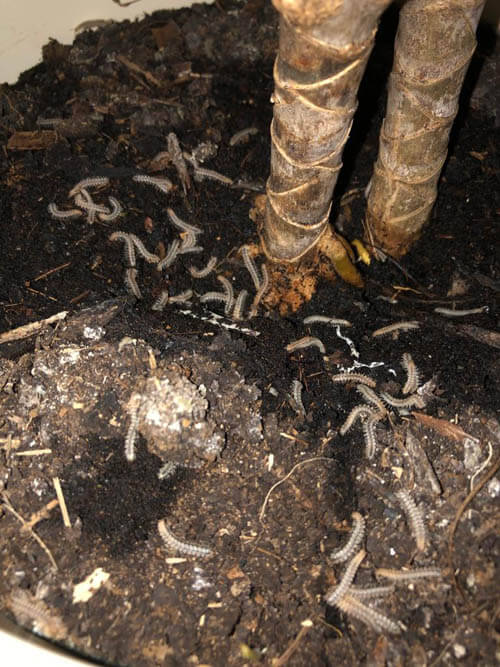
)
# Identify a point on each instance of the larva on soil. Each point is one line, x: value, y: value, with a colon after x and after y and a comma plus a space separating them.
x: 187, y: 548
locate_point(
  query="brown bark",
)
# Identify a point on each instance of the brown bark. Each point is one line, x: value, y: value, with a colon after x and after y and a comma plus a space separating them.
x: 434, y: 45
x: 324, y: 46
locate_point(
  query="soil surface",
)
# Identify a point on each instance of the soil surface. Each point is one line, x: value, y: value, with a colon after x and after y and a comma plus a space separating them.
x: 186, y: 424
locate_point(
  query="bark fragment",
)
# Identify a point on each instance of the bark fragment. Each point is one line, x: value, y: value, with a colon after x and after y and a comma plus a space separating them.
x: 434, y: 45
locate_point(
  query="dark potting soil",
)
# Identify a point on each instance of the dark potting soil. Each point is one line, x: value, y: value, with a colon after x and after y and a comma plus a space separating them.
x: 271, y: 488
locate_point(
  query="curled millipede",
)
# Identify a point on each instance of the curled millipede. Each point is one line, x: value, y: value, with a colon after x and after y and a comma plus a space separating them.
x: 415, y: 518
x: 63, y: 215
x: 357, y: 534
x: 411, y: 384
x: 228, y: 291
x: 116, y: 209
x: 250, y: 266
x: 161, y: 184
x: 187, y: 548
x: 358, y: 411
x: 202, y: 273
x: 239, y: 304
x: 172, y: 252
x: 264, y: 286
x: 161, y: 301
x: 200, y: 173
x: 396, y: 327
x: 181, y: 224
x: 371, y: 397
x: 93, y: 181
x: 351, y: 606
x: 354, y: 377
x: 409, y: 575
x: 188, y: 241
x: 307, y: 341
x: 412, y: 401
x: 131, y: 282
x: 242, y: 135
x: 334, y: 596
x: 297, y: 396
x: 143, y: 251
x: 324, y: 319
x: 128, y: 247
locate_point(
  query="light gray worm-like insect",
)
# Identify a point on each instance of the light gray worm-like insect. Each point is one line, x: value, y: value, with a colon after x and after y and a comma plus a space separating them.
x: 264, y: 286
x: 228, y: 291
x: 161, y: 184
x: 182, y: 297
x: 131, y: 436
x: 131, y: 282
x: 205, y: 271
x: 239, y: 305
x: 172, y: 252
x: 323, y: 319
x: 364, y: 592
x: 213, y: 296
x: 411, y: 384
x: 250, y: 266
x: 242, y: 135
x: 397, y: 326
x: 160, y: 303
x: 188, y: 241
x: 181, y: 224
x: 412, y: 401
x: 359, y: 378
x: 307, y: 341
x: 200, y: 173
x: 415, y: 518
x: 371, y: 397
x: 90, y: 182
x: 370, y: 435
x: 187, y: 548
x: 143, y: 251
x: 334, y: 596
x: 355, y: 539
x: 450, y: 312
x: 297, y: 396
x: 116, y: 209
x: 409, y: 575
x: 183, y: 250
x: 58, y: 214
x: 358, y: 411
x: 351, y: 606
x: 128, y: 247
x: 167, y: 470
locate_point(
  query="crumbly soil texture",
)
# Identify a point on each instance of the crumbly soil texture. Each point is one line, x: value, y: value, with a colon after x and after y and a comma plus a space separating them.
x: 204, y: 496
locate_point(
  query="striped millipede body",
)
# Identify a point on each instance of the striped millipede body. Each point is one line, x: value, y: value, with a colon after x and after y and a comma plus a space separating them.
x: 355, y: 539
x: 306, y: 341
x: 187, y: 548
x: 205, y: 271
x: 406, y: 325
x: 415, y: 518
x: 354, y: 377
x: 93, y: 181
x: 411, y: 384
x: 161, y: 184
x: 335, y: 595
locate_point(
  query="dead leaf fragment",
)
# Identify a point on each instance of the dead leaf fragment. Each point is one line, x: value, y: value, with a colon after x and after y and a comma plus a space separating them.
x: 443, y: 427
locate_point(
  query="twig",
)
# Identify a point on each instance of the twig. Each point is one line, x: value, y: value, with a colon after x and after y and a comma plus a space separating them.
x: 8, y: 506
x: 30, y: 329
x: 62, y: 502
x: 285, y: 657
x: 470, y: 497
x: 276, y: 484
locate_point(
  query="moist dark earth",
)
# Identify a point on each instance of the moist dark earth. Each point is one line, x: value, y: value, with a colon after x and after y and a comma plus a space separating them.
x: 105, y: 584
